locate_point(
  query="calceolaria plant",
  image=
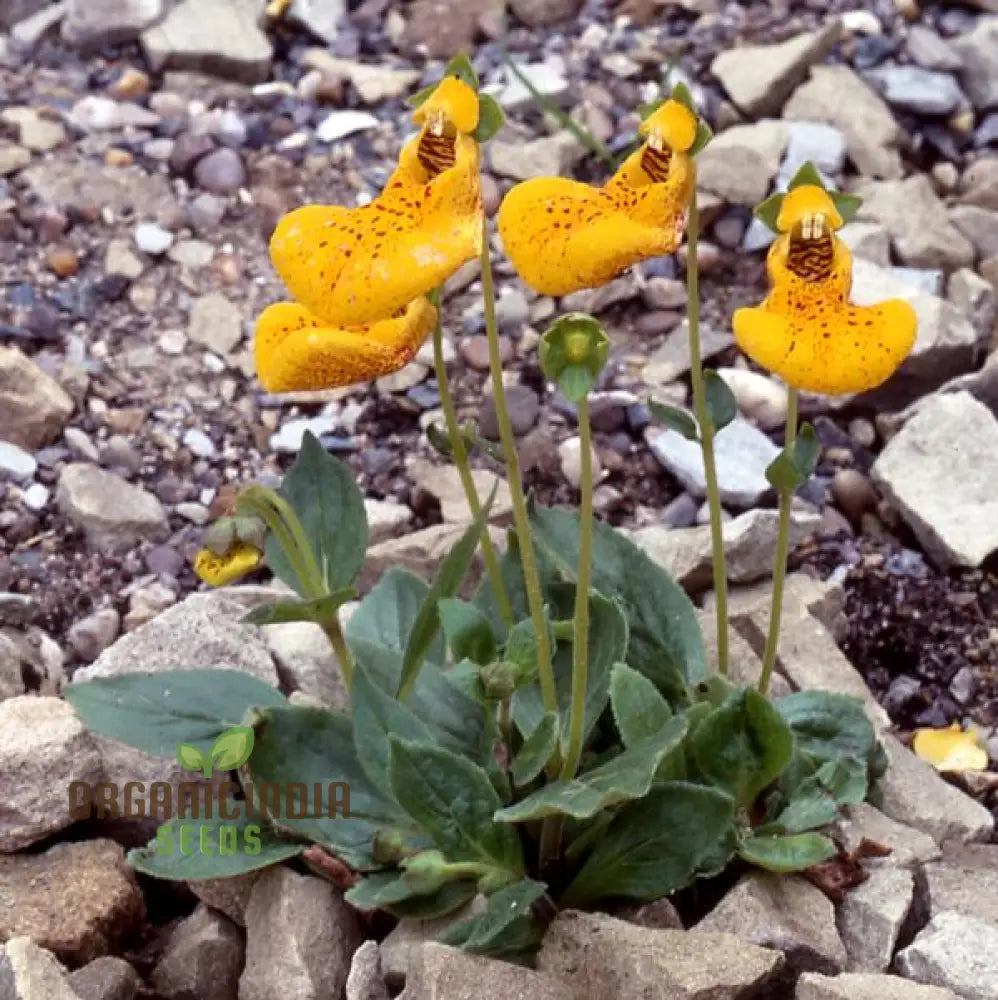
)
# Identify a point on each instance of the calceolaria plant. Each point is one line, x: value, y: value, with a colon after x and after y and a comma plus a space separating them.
x: 555, y: 737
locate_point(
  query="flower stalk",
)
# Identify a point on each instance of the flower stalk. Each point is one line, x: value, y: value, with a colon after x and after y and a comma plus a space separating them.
x: 521, y: 521
x: 707, y: 432
x: 780, y: 562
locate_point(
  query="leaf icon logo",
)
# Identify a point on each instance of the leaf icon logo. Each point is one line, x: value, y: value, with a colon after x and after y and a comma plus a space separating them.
x: 231, y: 750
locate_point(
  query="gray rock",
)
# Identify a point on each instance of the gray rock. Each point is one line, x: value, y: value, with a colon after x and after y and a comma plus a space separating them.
x: 741, y: 162
x: 90, y: 636
x: 216, y: 323
x: 742, y: 454
x: 13, y: 11
x: 868, y: 240
x: 821, y: 144
x: 30, y: 31
x: 402, y: 945
x: 910, y: 848
x: 12, y: 158
x: 300, y: 936
x: 916, y: 89
x: 760, y: 398
x: 43, y: 747
x: 598, y: 957
x: 759, y: 78
x: 211, y: 36
x: 979, y: 226
x: 366, y: 981
x: 866, y: 986
x: 112, y: 513
x: 784, y: 912
x: 203, y: 958
x: 28, y: 972
x: 306, y: 660
x: 105, y: 978
x: 221, y: 172
x: 923, y: 279
x: 872, y: 915
x: 322, y: 18
x: 912, y: 792
x: 80, y: 186
x: 34, y: 408
x: 440, y: 971
x: 956, y: 952
x: 11, y: 676
x: 444, y: 483
x: 539, y: 13
x: 373, y: 82
x: 965, y: 881
x: 16, y: 463
x: 930, y: 51
x: 749, y: 545
x: 836, y: 96
x: 916, y: 219
x: 91, y: 24
x: 939, y: 472
x: 548, y: 156
x: 230, y: 896
x: 524, y: 409
x: 672, y: 358
x: 546, y: 78
x: 980, y: 68
x: 79, y: 900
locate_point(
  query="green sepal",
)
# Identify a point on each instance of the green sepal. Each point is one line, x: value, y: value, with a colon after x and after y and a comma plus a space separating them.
x: 675, y: 418
x: 491, y: 118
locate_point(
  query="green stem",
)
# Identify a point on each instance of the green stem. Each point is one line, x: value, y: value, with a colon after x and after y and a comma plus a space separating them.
x: 780, y: 564
x: 489, y: 556
x: 706, y: 437
x: 337, y: 640
x: 580, y: 643
x: 521, y: 522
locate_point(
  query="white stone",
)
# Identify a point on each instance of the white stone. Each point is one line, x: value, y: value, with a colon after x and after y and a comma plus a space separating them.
x: 15, y: 462
x: 199, y: 443
x: 741, y: 162
x: 153, y: 239
x: 871, y: 916
x: 36, y: 497
x: 546, y: 78
x: 956, y: 952
x: 340, y: 124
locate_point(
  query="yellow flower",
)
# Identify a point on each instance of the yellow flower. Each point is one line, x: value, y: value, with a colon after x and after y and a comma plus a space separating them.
x: 350, y: 267
x: 295, y: 351
x: 218, y: 570
x: 950, y: 749
x: 562, y: 235
x: 805, y: 330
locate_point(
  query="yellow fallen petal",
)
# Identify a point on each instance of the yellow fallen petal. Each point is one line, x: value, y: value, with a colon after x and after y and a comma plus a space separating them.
x: 674, y: 123
x: 808, y: 199
x: 453, y: 101
x: 950, y: 749
x: 562, y: 235
x: 354, y: 266
x: 844, y: 349
x: 217, y: 571
x: 295, y: 351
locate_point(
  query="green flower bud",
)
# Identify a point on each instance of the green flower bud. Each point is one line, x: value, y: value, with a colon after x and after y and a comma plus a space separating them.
x: 500, y: 679
x: 220, y: 537
x: 426, y: 872
x: 572, y: 353
x: 251, y: 530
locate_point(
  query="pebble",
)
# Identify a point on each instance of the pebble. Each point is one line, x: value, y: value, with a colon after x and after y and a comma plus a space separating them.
x: 172, y: 342
x: 512, y: 309
x: 220, y: 172
x: 90, y: 636
x: 15, y: 462
x: 475, y: 351
x: 62, y: 261
x: 199, y: 443
x: 340, y: 124
x: 570, y: 454
x: 36, y: 497
x: 524, y: 408
x: 152, y: 239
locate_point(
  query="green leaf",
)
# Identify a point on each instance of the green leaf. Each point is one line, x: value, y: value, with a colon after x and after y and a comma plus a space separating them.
x: 665, y: 643
x: 157, y: 712
x: 376, y: 716
x: 793, y: 467
x: 445, y: 900
x: 186, y: 849
x: 467, y: 630
x: 490, y: 118
x: 449, y: 578
x: 720, y: 400
x: 675, y: 418
x: 639, y: 711
x: 815, y: 801
x: 313, y: 746
x: 658, y: 845
x: 460, y: 66
x: 321, y: 490
x: 536, y: 751
x: 742, y: 746
x: 507, y: 925
x: 191, y: 758
x: 453, y: 800
x: 232, y: 748
x: 439, y: 439
x: 829, y: 726
x: 787, y: 854
x: 388, y: 891
x: 607, y: 646
x: 623, y: 778
x: 281, y: 612
x: 377, y: 633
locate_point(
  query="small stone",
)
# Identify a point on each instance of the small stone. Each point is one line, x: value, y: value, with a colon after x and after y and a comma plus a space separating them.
x: 865, y: 986
x: 36, y: 497
x: 366, y: 980
x: 979, y: 71
x: 300, y: 936
x: 524, y: 408
x: 215, y: 323
x: 742, y: 454
x: 32, y: 973
x: 153, y: 239
x: 40, y: 134
x: 374, y: 83
x: 130, y: 85
x: 16, y: 463
x: 570, y: 453
x: 545, y: 78
x: 105, y: 978
x: 62, y: 261
x: 113, y: 514
x: 51, y: 897
x: 221, y: 172
x: 762, y: 399
x: 340, y: 124
x: 930, y: 51
x: 741, y: 162
x: 868, y: 240
x: 915, y: 89
x: 595, y: 955
x: 385, y: 518
x: 199, y: 443
x: 672, y: 358
x: 540, y: 13
x: 783, y: 912
x: 91, y: 24
x: 119, y: 259
x: 12, y: 158
x: 910, y: 848
x: 871, y: 917
x: 979, y: 225
x: 90, y: 636
x: 203, y: 958
x: 512, y: 309
x: 854, y: 494
x: 944, y: 492
x: 230, y: 896
x: 664, y: 293
x: 546, y: 156
x: 965, y: 881
x: 956, y: 952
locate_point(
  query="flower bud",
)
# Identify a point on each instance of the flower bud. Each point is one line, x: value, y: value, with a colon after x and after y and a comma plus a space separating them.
x: 572, y: 353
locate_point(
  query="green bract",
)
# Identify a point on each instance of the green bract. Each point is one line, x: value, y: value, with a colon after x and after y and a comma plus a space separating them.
x: 847, y: 204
